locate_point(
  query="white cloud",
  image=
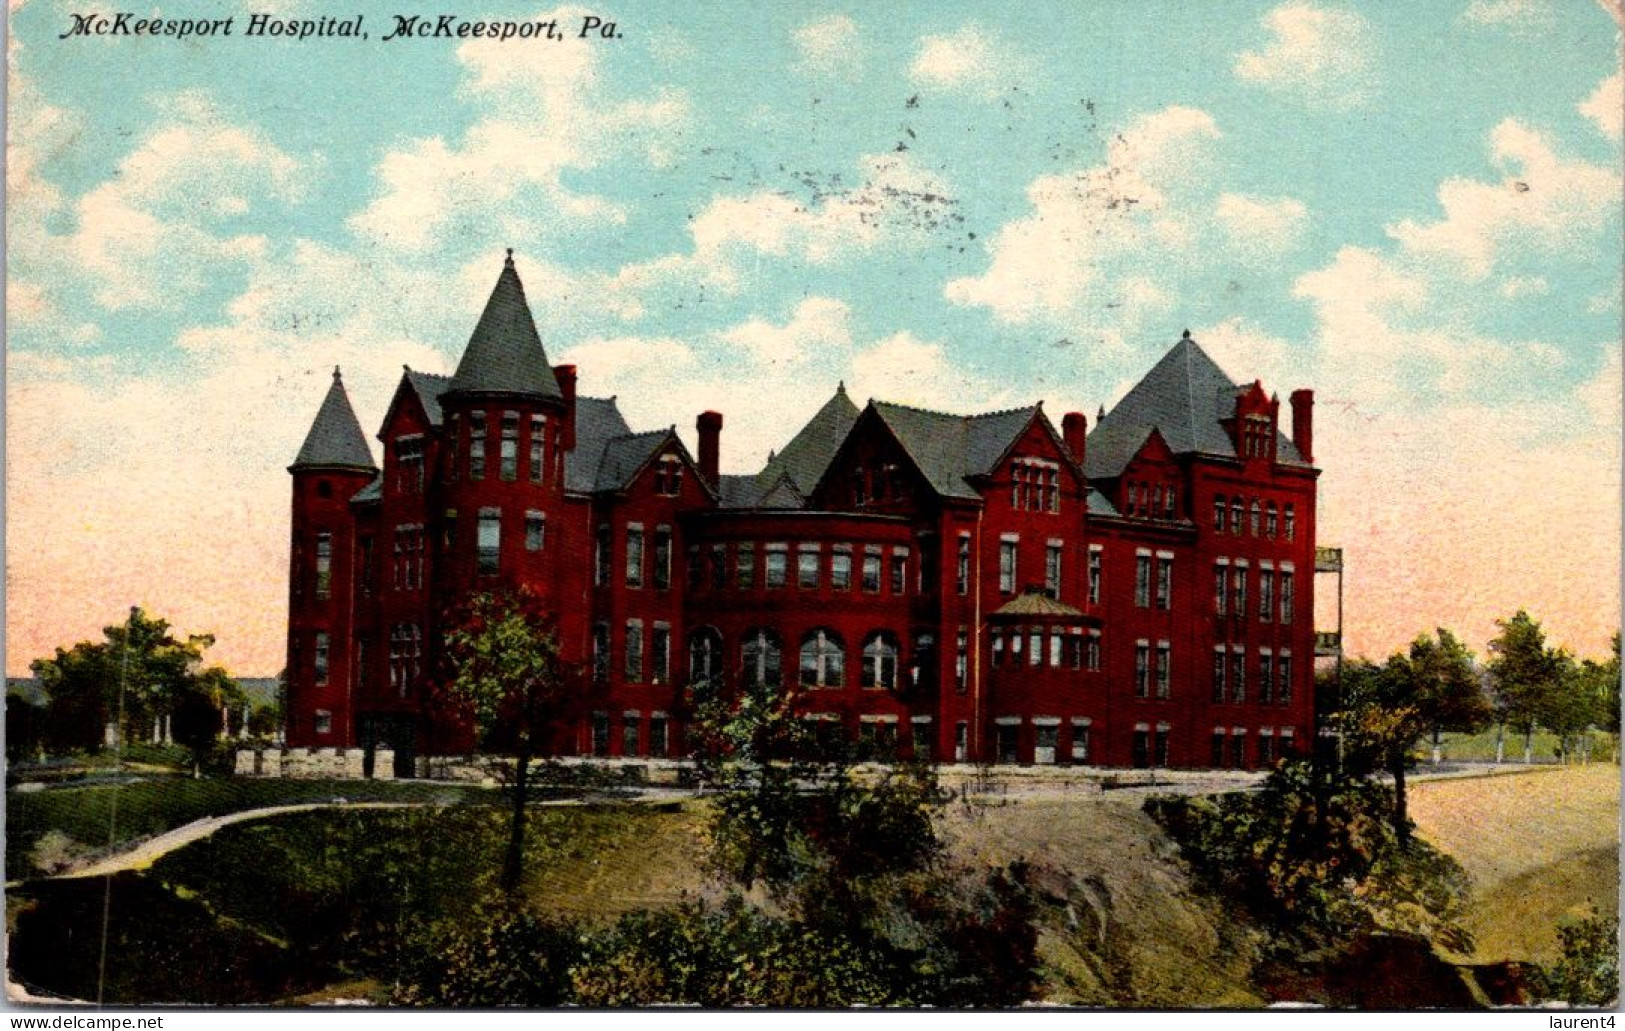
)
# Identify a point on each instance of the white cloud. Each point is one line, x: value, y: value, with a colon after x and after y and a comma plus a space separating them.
x: 541, y: 119
x: 819, y: 323
x: 1322, y: 55
x: 965, y: 60
x: 1544, y: 204
x: 1524, y: 286
x: 829, y: 46
x: 1606, y: 106
x: 1263, y: 225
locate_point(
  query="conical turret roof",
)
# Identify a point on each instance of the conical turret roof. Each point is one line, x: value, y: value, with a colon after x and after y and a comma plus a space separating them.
x: 335, y: 438
x: 505, y: 355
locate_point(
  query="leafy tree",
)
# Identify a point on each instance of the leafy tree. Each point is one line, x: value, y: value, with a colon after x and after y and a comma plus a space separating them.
x: 1527, y: 676
x: 198, y: 718
x: 1588, y: 973
x: 156, y: 669
x: 504, y: 667
x: 1388, y: 708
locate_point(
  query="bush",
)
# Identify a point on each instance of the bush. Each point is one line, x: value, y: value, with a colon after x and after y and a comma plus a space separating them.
x: 1588, y: 973
x: 513, y: 959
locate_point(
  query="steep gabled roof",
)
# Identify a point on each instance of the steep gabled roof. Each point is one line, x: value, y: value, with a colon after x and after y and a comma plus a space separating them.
x: 949, y: 448
x: 335, y: 438
x: 598, y: 420
x: 1185, y: 397
x: 505, y: 355
x: 808, y: 453
x: 429, y: 387
x: 625, y: 455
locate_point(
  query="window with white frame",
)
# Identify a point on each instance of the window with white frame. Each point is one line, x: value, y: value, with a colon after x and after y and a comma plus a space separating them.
x: 880, y: 660
x: 823, y: 659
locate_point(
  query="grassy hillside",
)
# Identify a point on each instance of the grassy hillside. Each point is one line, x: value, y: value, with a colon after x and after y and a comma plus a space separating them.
x: 1539, y: 846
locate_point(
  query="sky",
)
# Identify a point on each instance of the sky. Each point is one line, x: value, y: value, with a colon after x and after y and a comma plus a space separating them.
x: 1413, y: 209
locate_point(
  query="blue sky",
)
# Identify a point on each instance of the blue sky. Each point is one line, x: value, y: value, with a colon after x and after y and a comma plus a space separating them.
x: 1412, y: 208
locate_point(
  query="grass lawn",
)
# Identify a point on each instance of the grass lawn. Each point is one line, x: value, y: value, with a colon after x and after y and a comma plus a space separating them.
x: 1480, y: 747
x: 1539, y: 846
x: 151, y: 807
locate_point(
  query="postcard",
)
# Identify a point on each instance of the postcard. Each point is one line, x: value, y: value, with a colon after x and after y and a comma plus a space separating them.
x: 818, y: 505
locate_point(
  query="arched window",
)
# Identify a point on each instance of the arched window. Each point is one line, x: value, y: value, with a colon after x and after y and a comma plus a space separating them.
x: 704, y: 656
x: 823, y: 659
x: 1218, y: 512
x: 1236, y: 516
x: 880, y: 660
x: 1258, y: 513
x: 764, y: 658
x: 1271, y: 520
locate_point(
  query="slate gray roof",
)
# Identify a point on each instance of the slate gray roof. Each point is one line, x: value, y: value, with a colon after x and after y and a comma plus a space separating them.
x: 1184, y: 396
x: 737, y: 491
x: 948, y: 448
x: 598, y: 420
x: 335, y: 437
x: 1099, y: 504
x: 808, y: 453
x: 373, y: 491
x: 625, y: 455
x: 429, y: 387
x: 505, y: 355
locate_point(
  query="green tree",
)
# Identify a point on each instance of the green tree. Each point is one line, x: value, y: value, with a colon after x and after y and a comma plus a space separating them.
x: 1526, y: 676
x: 505, y: 669
x: 1388, y: 708
x: 199, y: 717
x: 143, y: 656
x: 1588, y: 973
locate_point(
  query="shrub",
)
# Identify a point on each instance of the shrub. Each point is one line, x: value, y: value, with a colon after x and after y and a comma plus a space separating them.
x: 1588, y: 973
x: 512, y: 959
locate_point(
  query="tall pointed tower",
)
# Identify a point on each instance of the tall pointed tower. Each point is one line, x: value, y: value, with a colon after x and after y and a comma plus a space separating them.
x: 509, y: 422
x: 333, y: 464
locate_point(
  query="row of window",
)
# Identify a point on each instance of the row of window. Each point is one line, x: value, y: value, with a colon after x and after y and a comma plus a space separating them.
x: 1153, y: 580
x: 643, y: 564
x: 509, y: 447
x: 877, y: 564
x: 1274, y: 670
x: 1068, y: 647
x: 1237, y: 516
x: 1151, y: 500
x: 823, y: 657
x: 1277, y: 590
x: 1035, y: 485
x: 652, y: 738
x: 405, y: 657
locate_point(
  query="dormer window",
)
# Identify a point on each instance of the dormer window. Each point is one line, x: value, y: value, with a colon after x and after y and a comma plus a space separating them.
x: 1035, y: 485
x: 669, y: 475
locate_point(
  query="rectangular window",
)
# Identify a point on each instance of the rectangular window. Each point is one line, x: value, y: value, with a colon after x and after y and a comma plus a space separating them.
x: 634, y: 651
x: 1286, y: 596
x: 1236, y: 517
x: 1091, y: 650
x: 1035, y: 646
x: 1142, y: 669
x: 962, y: 660
x: 1266, y: 748
x: 600, y: 733
x: 1097, y: 556
x: 1142, y: 747
x: 409, y: 464
x: 745, y: 565
x: 961, y: 741
x: 1271, y: 521
x: 510, y: 446
x: 1221, y: 581
x: 629, y: 732
x: 634, y: 555
x: 1289, y: 522
x: 696, y: 571
x: 1052, y: 569
x: 1218, y: 676
x: 923, y: 749
x: 962, y: 565
x: 1218, y: 513
x: 719, y: 566
x: 1283, y: 674
x: 808, y: 559
x: 1045, y: 739
x: 871, y: 570
x: 489, y: 542
x: 600, y: 652
x: 535, y: 531
x: 1165, y: 581
x: 476, y: 445
x: 1238, y: 581
x: 778, y: 560
x: 840, y: 568
x: 538, y: 447
x: 1216, y: 758
x: 1080, y: 742
x: 1238, y: 676
x: 1007, y: 567
x: 659, y: 742
x: 601, y: 557
x: 1142, y: 580
x: 448, y: 530
x: 1162, y: 744
x: 1165, y: 668
x: 660, y: 654
x: 899, y: 570
x: 662, y: 557
x: 321, y: 656
x: 1266, y: 594
x: 323, y: 721
x: 1266, y: 678
x: 364, y: 565
x: 1238, y: 748
x: 324, y: 566
x: 1055, y: 649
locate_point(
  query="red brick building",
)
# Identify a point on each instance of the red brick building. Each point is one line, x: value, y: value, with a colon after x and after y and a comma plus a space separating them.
x: 962, y: 587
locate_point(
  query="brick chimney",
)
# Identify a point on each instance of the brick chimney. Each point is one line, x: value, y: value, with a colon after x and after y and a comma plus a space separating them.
x: 1303, y: 423
x: 1074, y: 431
x: 566, y: 375
x: 709, y: 425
